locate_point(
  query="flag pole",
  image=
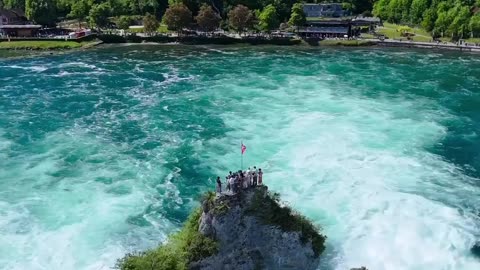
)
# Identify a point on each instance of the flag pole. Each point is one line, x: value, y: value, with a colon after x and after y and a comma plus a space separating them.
x: 241, y: 154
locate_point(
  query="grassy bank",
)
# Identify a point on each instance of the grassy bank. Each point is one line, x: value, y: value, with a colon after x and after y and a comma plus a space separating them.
x: 41, y: 45
x: 390, y: 30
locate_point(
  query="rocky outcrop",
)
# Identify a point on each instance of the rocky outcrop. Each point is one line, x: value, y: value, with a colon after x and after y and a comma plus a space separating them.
x: 254, y: 231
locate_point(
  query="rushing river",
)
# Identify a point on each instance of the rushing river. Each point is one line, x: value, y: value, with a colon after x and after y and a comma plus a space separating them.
x: 106, y: 151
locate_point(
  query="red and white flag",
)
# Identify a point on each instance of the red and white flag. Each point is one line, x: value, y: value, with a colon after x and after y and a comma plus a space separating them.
x: 244, y: 148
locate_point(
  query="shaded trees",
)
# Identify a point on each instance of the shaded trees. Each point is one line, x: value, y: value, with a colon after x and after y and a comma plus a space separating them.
x: 98, y: 16
x: 207, y: 19
x: 150, y: 23
x: 79, y: 11
x: 124, y: 22
x: 41, y: 11
x: 177, y: 17
x: 240, y: 18
x: 474, y: 25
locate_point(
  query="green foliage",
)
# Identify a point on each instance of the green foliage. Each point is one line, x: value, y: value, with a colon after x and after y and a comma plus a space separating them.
x: 124, y: 22
x: 99, y: 15
x: 429, y: 18
x: 268, y: 18
x: 79, y: 10
x: 182, y: 248
x: 240, y: 18
x: 269, y: 210
x: 207, y: 19
x: 298, y: 16
x: 475, y: 25
x: 459, y: 26
x: 150, y: 23
x: 40, y: 45
x: 417, y: 9
x: 441, y: 17
x: 177, y: 17
x: 14, y: 4
x: 404, y: 30
x: 41, y: 11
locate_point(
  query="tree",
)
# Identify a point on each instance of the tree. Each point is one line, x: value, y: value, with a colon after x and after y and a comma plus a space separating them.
x: 283, y: 7
x: 268, y: 18
x: 124, y: 22
x: 207, y: 19
x: 14, y: 4
x: 240, y: 18
x: 99, y: 15
x: 297, y: 18
x: 150, y: 24
x: 380, y: 9
x: 475, y: 25
x: 459, y: 26
x: 395, y: 11
x: 79, y: 11
x: 41, y: 11
x: 417, y: 9
x: 177, y: 17
x: 429, y: 17
x: 442, y: 23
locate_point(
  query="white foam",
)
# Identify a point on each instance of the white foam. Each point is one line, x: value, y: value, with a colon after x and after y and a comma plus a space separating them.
x: 359, y: 168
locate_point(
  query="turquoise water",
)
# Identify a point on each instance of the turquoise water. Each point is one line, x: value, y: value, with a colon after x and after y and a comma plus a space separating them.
x: 106, y: 151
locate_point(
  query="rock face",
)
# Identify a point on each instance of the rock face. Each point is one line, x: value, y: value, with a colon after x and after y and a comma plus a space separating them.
x: 247, y: 242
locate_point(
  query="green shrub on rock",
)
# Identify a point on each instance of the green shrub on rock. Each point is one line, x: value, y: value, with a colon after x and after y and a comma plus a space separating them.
x: 181, y: 249
x: 269, y: 210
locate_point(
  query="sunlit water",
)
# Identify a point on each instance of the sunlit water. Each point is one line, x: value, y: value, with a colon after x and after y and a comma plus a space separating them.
x: 105, y: 152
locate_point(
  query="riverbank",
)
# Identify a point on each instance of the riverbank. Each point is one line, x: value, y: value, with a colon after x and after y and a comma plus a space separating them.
x: 427, y: 45
x: 41, y: 47
x: 46, y: 45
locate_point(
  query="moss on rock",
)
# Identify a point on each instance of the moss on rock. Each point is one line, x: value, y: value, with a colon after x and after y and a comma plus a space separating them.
x: 267, y: 207
x: 182, y: 248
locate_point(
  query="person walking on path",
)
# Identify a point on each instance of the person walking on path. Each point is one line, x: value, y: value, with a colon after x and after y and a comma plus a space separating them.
x: 260, y: 176
x: 219, y: 185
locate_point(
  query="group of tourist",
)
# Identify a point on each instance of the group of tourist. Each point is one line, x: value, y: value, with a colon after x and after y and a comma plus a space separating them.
x: 241, y: 180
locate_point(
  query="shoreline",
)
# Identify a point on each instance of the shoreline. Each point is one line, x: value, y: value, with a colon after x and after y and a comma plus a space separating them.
x: 330, y: 43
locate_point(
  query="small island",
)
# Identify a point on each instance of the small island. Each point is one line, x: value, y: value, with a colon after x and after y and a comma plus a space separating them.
x: 251, y: 229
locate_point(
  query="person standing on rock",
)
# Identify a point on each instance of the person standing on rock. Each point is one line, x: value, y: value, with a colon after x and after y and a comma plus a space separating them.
x: 219, y: 185
x: 254, y: 184
x: 260, y: 176
x: 250, y: 177
x: 227, y: 183
x: 234, y: 183
x: 245, y: 180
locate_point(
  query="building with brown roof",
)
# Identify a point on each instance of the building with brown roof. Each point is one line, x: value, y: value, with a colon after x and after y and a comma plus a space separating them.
x: 14, y: 23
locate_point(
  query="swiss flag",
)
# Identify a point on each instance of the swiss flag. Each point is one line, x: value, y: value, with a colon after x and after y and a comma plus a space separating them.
x: 244, y: 148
